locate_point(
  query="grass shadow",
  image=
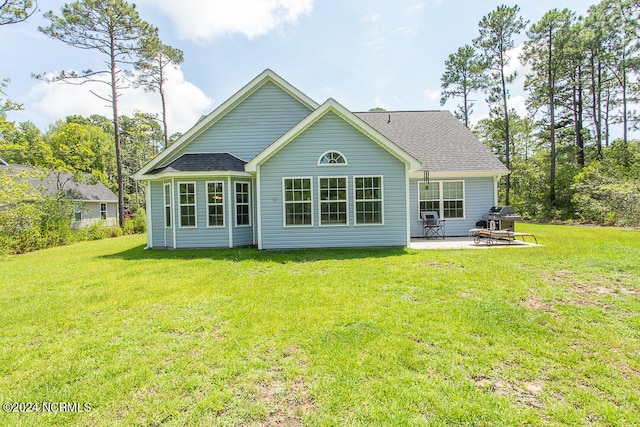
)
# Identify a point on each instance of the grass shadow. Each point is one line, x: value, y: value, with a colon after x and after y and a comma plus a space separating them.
x: 284, y: 256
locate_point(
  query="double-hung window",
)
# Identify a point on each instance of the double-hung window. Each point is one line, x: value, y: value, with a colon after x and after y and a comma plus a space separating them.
x: 77, y: 212
x: 333, y: 201
x: 453, y: 199
x: 167, y: 205
x: 215, y: 204
x: 368, y: 200
x: 297, y: 202
x: 103, y: 210
x: 187, y: 192
x: 444, y: 197
x: 429, y: 197
x: 243, y: 209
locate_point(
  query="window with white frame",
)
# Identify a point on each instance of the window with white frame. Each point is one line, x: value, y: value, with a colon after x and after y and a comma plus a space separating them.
x: 243, y: 207
x: 167, y: 205
x: 77, y: 212
x: 453, y: 199
x: 333, y: 201
x: 103, y: 210
x: 187, y: 192
x: 368, y: 199
x: 444, y: 197
x: 332, y: 158
x: 215, y: 204
x: 297, y: 202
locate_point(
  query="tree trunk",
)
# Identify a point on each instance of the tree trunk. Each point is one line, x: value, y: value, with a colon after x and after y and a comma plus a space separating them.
x: 577, y: 117
x: 116, y: 125
x: 552, y: 126
x: 596, y: 109
x: 507, y: 155
x: 164, y: 109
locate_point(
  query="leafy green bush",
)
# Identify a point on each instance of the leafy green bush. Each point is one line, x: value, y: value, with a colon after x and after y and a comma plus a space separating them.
x: 137, y: 225
x: 609, y: 192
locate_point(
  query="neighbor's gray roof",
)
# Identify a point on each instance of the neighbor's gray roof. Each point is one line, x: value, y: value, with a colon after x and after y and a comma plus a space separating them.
x: 203, y: 162
x: 436, y: 138
x: 50, y: 182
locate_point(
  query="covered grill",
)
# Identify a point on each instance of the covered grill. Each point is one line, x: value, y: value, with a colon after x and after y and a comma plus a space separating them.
x: 499, y: 218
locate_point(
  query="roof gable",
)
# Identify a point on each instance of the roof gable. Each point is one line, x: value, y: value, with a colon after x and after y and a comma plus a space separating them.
x: 267, y: 76
x: 333, y: 106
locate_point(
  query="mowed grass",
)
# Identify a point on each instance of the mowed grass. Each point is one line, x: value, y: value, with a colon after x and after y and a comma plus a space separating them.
x: 546, y: 335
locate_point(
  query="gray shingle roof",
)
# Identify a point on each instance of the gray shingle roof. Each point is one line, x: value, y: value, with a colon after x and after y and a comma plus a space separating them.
x: 50, y: 182
x: 203, y: 162
x: 436, y: 138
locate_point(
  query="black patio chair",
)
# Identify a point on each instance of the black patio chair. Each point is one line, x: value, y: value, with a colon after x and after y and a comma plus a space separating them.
x: 432, y: 225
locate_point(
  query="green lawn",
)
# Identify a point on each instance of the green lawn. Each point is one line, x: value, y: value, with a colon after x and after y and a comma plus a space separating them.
x: 503, y: 336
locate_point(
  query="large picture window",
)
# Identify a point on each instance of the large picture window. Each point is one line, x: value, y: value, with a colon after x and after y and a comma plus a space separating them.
x: 444, y: 197
x: 368, y: 200
x: 333, y: 201
x: 243, y: 198
x: 187, y: 191
x: 167, y: 205
x: 215, y: 204
x: 297, y: 202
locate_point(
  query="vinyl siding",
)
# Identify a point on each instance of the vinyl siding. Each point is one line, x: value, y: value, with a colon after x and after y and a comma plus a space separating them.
x: 251, y: 126
x: 299, y: 159
x: 91, y: 214
x: 478, y: 199
x: 243, y: 236
x: 162, y: 237
x: 200, y: 236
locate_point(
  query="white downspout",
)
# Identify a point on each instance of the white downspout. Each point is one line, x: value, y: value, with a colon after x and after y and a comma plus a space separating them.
x: 259, y: 208
x: 230, y: 216
x: 408, y: 203
x: 147, y: 205
x: 174, y: 209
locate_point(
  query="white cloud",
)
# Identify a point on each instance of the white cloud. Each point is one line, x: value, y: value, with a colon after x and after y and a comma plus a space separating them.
x: 378, y: 43
x: 432, y: 94
x: 185, y: 102
x: 518, y: 103
x: 380, y: 103
x: 372, y: 19
x: 407, y: 30
x: 204, y: 20
x: 416, y: 7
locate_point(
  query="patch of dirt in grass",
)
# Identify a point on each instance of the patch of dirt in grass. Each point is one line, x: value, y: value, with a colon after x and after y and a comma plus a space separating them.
x: 288, y: 401
x: 589, y: 289
x: 434, y: 264
x: 465, y: 294
x: 526, y: 393
x: 532, y: 302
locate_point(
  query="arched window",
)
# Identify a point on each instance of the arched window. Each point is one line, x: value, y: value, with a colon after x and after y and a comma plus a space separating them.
x: 332, y: 158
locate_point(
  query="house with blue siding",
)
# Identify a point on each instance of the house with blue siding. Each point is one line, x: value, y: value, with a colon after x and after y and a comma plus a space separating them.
x: 270, y: 167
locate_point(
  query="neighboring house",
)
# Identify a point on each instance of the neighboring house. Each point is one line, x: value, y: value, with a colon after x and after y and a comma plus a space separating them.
x: 273, y: 168
x: 93, y: 202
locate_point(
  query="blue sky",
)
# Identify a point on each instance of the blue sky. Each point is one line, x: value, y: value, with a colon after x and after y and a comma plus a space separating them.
x: 364, y: 54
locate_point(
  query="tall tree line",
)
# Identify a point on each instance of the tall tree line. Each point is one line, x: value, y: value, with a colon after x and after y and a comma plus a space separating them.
x: 582, y: 86
x: 133, y: 55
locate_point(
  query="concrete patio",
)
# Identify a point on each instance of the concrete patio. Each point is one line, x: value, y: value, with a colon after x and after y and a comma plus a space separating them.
x: 465, y: 243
